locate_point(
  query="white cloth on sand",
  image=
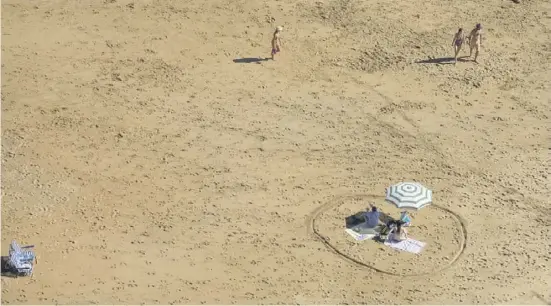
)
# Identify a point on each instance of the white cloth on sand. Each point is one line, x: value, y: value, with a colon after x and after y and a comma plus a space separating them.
x: 362, y: 232
x: 408, y: 245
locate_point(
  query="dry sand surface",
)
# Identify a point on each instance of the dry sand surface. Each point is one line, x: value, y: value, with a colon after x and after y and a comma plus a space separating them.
x: 149, y: 167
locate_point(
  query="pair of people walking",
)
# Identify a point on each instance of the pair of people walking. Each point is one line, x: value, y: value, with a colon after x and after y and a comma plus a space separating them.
x: 474, y: 40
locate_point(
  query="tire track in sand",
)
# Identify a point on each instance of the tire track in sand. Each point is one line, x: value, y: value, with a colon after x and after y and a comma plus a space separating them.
x: 313, y: 232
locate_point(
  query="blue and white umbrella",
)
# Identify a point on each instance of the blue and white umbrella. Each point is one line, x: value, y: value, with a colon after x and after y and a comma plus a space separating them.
x: 409, y: 195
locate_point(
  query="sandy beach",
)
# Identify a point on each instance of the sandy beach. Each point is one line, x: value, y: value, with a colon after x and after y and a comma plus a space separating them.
x: 153, y: 154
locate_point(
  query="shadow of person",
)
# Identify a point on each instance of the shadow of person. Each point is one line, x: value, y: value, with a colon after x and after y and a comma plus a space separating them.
x: 249, y: 60
x: 441, y: 60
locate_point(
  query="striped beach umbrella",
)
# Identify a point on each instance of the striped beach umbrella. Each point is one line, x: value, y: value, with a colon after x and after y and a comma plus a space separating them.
x: 409, y: 195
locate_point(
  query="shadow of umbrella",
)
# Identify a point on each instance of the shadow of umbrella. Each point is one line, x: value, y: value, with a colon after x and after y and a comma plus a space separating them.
x: 355, y: 219
x: 5, y: 271
x: 358, y: 218
x: 249, y: 60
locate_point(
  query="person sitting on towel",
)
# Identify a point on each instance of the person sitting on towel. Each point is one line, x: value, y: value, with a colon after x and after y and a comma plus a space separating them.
x: 372, y: 217
x: 404, y: 217
x: 398, y: 234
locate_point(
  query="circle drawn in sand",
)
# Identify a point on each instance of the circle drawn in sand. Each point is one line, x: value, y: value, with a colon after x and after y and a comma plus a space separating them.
x: 441, y: 229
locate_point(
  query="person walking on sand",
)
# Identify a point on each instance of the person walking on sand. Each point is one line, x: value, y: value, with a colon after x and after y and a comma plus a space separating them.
x: 475, y: 41
x: 457, y: 42
x: 276, y: 41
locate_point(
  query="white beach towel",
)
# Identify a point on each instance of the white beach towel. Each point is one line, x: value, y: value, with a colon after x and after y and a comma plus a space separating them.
x: 359, y: 237
x: 361, y: 232
x: 408, y: 245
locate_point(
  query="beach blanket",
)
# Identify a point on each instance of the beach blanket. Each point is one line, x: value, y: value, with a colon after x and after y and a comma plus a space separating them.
x: 408, y: 245
x: 361, y: 232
